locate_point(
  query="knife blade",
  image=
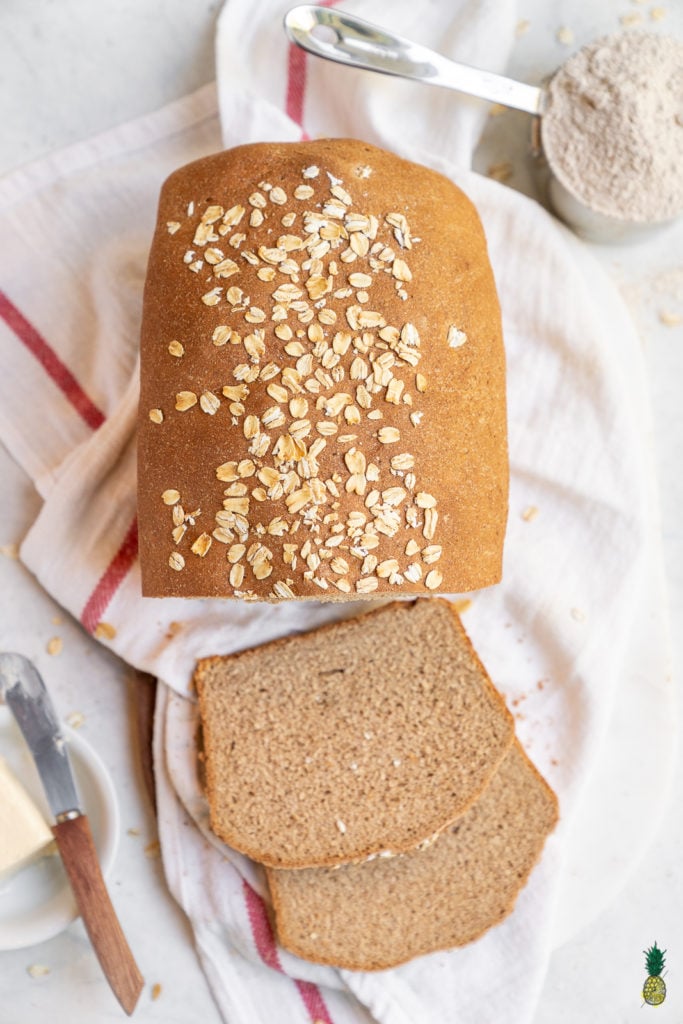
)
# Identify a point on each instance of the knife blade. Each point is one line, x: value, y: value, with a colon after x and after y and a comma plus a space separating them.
x: 26, y: 695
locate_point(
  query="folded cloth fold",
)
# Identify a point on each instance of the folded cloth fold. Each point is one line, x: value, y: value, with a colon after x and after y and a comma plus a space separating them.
x: 581, y: 530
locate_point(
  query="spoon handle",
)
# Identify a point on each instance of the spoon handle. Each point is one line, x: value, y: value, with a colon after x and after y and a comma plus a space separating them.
x: 347, y: 40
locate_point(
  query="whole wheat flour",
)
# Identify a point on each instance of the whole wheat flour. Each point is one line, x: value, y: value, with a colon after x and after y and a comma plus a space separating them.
x: 613, y: 128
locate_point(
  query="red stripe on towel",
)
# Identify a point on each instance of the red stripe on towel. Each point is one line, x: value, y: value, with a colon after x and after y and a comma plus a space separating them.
x: 296, y: 80
x: 265, y: 944
x: 51, y: 363
x: 260, y: 927
x: 314, y: 1002
x: 111, y: 579
x: 124, y: 558
x: 296, y: 83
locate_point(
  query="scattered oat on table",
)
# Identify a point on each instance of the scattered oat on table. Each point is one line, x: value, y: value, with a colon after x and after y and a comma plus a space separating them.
x: 54, y: 645
x: 153, y: 849
x: 463, y: 604
x: 76, y: 719
x: 105, y: 631
x: 37, y: 970
x: 565, y: 36
x: 529, y: 513
x: 156, y: 991
x: 501, y: 172
x: 10, y: 550
x: 523, y: 26
x: 631, y: 20
x: 657, y: 13
x: 578, y: 614
x: 669, y: 318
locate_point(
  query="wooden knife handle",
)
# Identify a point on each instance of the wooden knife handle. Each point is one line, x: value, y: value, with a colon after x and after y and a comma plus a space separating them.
x: 79, y: 855
x: 144, y: 698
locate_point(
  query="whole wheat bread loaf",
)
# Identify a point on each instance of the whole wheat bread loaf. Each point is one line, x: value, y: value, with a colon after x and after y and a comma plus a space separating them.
x: 378, y: 914
x: 322, y: 381
x: 368, y: 735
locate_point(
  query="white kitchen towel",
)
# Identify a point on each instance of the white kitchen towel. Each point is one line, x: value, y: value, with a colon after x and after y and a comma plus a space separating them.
x: 559, y: 635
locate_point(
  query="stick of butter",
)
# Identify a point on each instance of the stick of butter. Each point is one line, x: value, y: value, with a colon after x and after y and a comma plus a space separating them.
x: 24, y: 834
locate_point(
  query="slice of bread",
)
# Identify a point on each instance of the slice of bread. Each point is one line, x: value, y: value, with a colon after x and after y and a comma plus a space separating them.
x: 368, y: 735
x: 379, y: 914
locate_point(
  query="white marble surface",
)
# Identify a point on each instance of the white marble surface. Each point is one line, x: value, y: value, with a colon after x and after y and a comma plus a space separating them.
x: 71, y: 68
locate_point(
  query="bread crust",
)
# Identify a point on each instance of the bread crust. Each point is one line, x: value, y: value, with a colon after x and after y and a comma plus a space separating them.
x: 455, y: 442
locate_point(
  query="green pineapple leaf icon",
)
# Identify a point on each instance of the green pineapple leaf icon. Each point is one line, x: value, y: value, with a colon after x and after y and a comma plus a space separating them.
x: 654, y: 989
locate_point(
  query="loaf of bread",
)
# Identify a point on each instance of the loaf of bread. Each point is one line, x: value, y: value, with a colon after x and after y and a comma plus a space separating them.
x: 322, y: 402
x: 363, y: 737
x: 378, y: 914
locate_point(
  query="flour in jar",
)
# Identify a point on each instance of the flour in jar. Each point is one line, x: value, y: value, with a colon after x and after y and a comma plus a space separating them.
x: 613, y: 127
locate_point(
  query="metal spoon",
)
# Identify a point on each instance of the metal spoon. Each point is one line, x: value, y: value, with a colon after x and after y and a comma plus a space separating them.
x: 359, y: 44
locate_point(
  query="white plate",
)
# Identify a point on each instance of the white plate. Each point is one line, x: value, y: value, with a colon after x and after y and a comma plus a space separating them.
x: 36, y: 903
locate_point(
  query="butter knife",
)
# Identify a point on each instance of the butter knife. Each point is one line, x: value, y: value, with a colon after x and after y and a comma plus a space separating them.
x: 24, y: 692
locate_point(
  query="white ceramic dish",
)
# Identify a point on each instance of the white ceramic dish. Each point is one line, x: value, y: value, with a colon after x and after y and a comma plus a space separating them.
x: 36, y: 903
